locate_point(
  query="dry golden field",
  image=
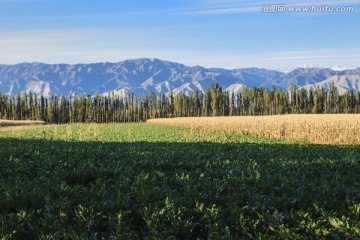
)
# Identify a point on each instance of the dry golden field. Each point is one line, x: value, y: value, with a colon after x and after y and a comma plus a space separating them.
x: 322, y: 128
x: 6, y: 123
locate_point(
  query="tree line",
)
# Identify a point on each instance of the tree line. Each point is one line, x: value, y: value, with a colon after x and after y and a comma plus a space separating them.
x: 213, y: 102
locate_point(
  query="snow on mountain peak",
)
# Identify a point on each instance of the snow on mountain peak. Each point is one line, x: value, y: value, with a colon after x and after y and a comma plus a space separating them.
x: 145, y: 75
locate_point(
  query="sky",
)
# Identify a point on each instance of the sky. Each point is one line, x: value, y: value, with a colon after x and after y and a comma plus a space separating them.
x: 210, y: 33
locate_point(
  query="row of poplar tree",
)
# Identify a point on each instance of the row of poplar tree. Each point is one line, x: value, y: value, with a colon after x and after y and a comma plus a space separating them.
x: 213, y: 102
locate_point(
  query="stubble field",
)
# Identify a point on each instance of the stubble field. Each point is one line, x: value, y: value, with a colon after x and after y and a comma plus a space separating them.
x: 321, y: 128
x: 6, y: 123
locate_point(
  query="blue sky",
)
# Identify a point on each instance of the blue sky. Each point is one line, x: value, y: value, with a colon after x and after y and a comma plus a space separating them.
x: 210, y: 33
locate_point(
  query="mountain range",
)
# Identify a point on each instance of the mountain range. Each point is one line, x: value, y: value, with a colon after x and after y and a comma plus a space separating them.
x: 153, y: 75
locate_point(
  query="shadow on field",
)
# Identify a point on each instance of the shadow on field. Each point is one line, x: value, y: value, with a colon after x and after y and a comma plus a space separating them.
x: 188, y: 190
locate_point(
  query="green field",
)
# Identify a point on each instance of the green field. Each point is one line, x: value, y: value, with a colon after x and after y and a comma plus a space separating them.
x: 136, y: 181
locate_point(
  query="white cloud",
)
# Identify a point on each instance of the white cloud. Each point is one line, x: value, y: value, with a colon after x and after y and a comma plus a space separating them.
x: 259, y: 2
x: 319, y: 54
x: 273, y: 59
x: 113, y: 45
x: 226, y: 11
x: 15, y: 1
x: 236, y: 7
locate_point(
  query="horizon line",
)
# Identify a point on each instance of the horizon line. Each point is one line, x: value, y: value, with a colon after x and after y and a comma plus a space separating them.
x: 290, y: 67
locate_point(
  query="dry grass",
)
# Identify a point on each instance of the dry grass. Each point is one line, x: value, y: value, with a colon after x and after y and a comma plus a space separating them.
x: 322, y: 129
x: 7, y: 123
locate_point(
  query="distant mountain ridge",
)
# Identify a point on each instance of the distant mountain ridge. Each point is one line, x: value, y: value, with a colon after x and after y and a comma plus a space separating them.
x: 291, y: 68
x: 153, y: 75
